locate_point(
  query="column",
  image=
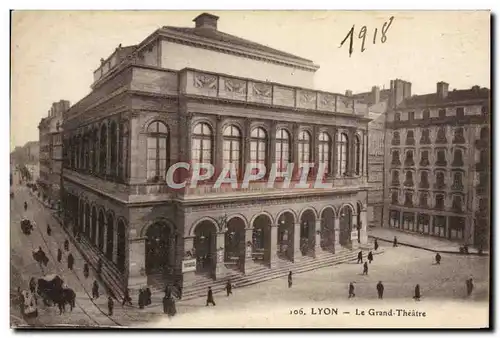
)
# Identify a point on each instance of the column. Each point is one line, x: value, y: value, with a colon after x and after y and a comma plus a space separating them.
x: 105, y: 235
x: 188, y: 261
x: 364, y: 224
x: 296, y: 254
x: 336, y: 227
x: 247, y: 259
x: 354, y: 232
x: 220, y: 268
x: 246, y: 143
x: 272, y: 146
x: 334, y: 169
x: 401, y: 220
x: 273, y: 246
x: 352, y: 152
x: 108, y: 147
x: 295, y: 149
x: 317, y: 238
x: 218, y: 160
x: 115, y: 243
x: 136, y: 261
x: 315, y: 150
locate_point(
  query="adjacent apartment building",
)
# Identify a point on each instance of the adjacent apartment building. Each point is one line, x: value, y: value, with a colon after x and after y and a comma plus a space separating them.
x: 50, y: 138
x: 198, y: 95
x: 438, y: 160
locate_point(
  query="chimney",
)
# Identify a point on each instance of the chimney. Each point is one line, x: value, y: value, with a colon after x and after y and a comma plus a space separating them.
x: 206, y: 20
x: 375, y: 95
x: 442, y: 90
x: 400, y: 90
x: 348, y: 92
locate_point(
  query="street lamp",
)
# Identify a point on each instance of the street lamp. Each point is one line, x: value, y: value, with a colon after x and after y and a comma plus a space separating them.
x: 222, y: 223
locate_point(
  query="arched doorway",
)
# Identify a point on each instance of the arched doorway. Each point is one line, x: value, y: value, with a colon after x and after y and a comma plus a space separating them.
x: 328, y: 230
x: 234, y: 244
x: 205, y: 247
x: 102, y: 225
x: 394, y: 218
x: 93, y: 233
x: 345, y: 220
x: 110, y: 236
x: 159, y: 248
x: 121, y: 246
x: 87, y: 221
x: 261, y: 239
x: 307, y: 230
x: 286, y: 225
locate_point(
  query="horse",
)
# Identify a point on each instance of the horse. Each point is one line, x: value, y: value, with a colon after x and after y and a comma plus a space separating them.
x: 67, y: 296
x: 40, y: 257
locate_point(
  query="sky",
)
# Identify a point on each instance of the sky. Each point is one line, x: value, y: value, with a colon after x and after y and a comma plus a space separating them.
x: 54, y: 53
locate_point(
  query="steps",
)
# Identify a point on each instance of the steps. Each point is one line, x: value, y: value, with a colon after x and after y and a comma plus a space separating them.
x: 198, y: 287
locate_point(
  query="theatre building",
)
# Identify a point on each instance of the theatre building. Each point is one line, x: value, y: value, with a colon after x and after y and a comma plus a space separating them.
x: 438, y: 152
x: 201, y: 95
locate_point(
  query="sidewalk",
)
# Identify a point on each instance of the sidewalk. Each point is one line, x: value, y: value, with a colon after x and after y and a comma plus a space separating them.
x: 424, y: 242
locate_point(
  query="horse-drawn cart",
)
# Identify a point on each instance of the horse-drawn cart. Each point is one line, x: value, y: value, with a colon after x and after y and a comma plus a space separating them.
x: 53, y: 291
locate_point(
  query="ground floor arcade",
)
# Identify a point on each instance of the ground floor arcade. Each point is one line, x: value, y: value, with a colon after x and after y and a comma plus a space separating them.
x: 151, y: 244
x: 456, y: 227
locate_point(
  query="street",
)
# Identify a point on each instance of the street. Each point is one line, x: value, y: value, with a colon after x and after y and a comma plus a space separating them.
x: 400, y: 269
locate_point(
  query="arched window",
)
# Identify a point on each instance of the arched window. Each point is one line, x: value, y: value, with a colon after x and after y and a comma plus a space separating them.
x: 423, y: 199
x: 457, y: 158
x: 95, y: 151
x: 395, y: 177
x: 342, y: 154
x: 395, y: 157
x: 258, y: 147
x: 304, y: 147
x: 457, y: 180
x: 202, y: 144
x: 408, y: 179
x: 123, y: 162
x: 440, y: 180
x: 157, y: 151
x: 283, y: 154
x: 424, y: 180
x: 396, y: 140
x: 409, y: 158
x: 425, y: 137
x: 103, y: 150
x: 459, y: 136
x: 410, y: 140
x: 394, y: 197
x: 457, y: 203
x: 484, y: 134
x: 232, y: 147
x: 397, y: 117
x: 324, y: 150
x: 441, y: 135
x: 114, y: 148
x: 426, y: 114
x: 357, y: 149
x: 439, y: 201
x: 408, y: 199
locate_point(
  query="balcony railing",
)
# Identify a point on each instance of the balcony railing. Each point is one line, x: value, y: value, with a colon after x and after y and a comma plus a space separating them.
x: 396, y: 161
x: 439, y: 206
x: 410, y: 141
x: 482, y: 166
x: 425, y: 140
x: 396, y: 142
x: 441, y: 140
x: 439, y: 186
x: 457, y: 186
x: 395, y: 182
x: 424, y: 162
x: 409, y: 163
x: 408, y: 183
x: 441, y: 163
x: 482, y: 143
x: 457, y: 163
x: 424, y: 185
x: 458, y: 140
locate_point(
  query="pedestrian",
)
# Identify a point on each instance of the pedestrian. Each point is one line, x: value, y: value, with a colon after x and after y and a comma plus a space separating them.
x: 141, y: 298
x: 148, y: 296
x: 438, y: 259
x: 395, y: 242
x: 376, y: 244
x: 229, y: 288
x: 95, y: 290
x: 59, y: 255
x: 380, y: 290
x: 25, y: 206
x: 32, y: 285
x: 66, y: 245
x: 210, y: 297
x: 99, y: 266
x: 49, y: 230
x: 351, y: 290
x: 110, y: 306
x: 71, y: 261
x: 470, y: 286
x: 417, y: 292
x: 360, y: 257
x: 370, y: 257
x: 365, y: 269
x: 290, y: 281
x: 126, y: 298
x: 86, y: 270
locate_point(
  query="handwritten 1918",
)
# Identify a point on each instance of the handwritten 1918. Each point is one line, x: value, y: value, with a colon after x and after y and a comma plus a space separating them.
x: 362, y: 35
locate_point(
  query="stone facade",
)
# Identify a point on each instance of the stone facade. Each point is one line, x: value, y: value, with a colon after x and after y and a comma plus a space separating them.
x: 50, y: 138
x: 437, y: 149
x: 120, y: 140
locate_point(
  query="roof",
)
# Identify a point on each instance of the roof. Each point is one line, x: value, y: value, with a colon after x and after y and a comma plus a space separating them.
x: 218, y: 36
x: 367, y: 97
x: 474, y: 93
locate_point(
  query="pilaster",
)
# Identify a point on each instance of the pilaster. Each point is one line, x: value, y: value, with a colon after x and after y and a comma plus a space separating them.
x: 363, y: 235
x: 247, y: 259
x: 136, y: 259
x: 317, y: 238
x: 336, y: 226
x: 271, y: 250
x: 296, y: 253
x: 220, y: 268
x: 188, y: 274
